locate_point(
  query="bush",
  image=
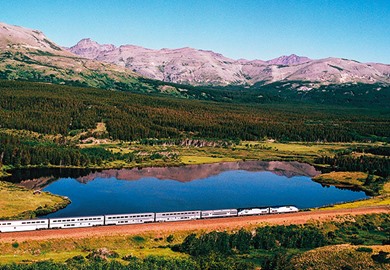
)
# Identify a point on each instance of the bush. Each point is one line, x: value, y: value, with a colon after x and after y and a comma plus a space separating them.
x: 76, y: 259
x: 364, y: 249
x: 170, y: 238
x: 129, y: 258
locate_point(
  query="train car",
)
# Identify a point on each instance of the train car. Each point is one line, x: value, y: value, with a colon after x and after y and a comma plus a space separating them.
x: 76, y: 222
x: 219, y: 213
x: 129, y: 218
x: 283, y: 209
x: 253, y: 211
x: 177, y: 216
x: 23, y: 225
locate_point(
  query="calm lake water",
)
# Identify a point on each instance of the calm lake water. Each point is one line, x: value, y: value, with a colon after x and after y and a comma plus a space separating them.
x: 195, y: 187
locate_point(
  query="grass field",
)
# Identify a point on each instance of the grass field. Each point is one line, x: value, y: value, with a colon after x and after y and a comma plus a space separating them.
x: 304, y: 152
x: 59, y: 250
x: 18, y: 202
x: 345, y: 256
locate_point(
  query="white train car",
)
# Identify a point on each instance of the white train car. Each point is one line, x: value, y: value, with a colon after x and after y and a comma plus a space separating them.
x: 23, y: 225
x: 129, y: 218
x: 219, y: 213
x: 177, y: 216
x: 283, y: 209
x: 253, y: 211
x: 76, y: 222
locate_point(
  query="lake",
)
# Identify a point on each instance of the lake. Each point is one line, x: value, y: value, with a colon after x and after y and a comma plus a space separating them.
x: 193, y: 187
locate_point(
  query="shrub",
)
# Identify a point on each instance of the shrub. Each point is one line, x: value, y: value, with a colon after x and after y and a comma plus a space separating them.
x: 364, y: 249
x: 170, y: 238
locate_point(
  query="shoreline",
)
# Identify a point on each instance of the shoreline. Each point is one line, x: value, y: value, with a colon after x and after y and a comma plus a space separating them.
x: 374, y: 200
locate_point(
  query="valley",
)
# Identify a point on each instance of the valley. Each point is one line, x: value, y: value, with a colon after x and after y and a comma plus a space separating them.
x: 94, y: 129
x: 125, y: 128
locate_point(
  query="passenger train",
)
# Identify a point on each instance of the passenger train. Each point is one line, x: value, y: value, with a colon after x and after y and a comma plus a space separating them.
x: 122, y: 219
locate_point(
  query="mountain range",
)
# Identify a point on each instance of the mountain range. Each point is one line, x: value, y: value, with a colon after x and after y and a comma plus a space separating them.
x: 27, y: 54
x: 200, y: 67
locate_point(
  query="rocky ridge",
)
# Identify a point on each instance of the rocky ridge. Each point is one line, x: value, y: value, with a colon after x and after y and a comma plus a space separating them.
x: 200, y: 67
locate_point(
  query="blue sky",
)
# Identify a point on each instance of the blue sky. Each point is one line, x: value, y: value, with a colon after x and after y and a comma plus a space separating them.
x: 250, y: 29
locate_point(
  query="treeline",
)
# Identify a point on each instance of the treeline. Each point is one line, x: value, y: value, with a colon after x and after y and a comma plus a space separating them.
x: 371, y: 164
x: 379, y: 150
x: 267, y: 238
x: 55, y: 109
x: 19, y: 152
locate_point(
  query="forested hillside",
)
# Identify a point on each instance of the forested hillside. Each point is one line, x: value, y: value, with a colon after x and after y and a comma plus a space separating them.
x: 55, y: 109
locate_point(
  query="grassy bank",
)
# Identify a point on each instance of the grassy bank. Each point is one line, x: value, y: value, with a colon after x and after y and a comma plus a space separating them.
x: 351, y: 242
x: 383, y: 199
x: 20, y: 203
x: 371, y: 184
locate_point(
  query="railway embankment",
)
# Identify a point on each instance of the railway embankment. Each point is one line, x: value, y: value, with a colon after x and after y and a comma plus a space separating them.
x: 203, y: 225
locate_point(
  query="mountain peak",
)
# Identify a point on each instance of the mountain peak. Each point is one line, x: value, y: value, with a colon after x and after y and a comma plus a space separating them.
x: 87, y: 41
x: 288, y: 60
x: 90, y: 48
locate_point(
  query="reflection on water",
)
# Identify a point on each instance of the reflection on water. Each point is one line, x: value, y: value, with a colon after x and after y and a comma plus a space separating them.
x: 193, y: 172
x: 39, y: 178
x: 210, y: 186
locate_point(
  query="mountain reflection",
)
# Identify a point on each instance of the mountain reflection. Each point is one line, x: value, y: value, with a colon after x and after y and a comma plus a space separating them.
x: 39, y: 178
x: 192, y: 172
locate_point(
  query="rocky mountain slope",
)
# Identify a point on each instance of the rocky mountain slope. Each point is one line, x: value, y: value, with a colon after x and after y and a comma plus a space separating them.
x: 200, y: 67
x: 28, y: 54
